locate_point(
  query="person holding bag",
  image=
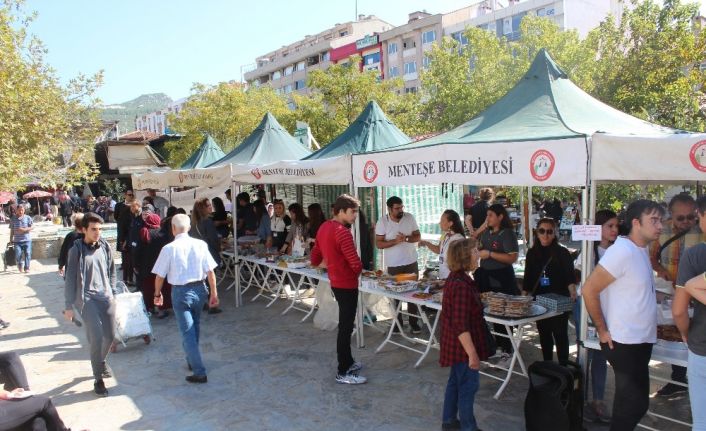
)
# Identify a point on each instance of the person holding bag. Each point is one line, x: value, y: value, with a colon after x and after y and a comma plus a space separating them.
x: 550, y: 269
x: 464, y: 337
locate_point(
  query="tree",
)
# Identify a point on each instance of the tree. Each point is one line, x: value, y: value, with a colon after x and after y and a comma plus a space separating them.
x: 648, y: 63
x: 228, y: 112
x: 47, y: 130
x: 341, y: 92
x: 464, y: 80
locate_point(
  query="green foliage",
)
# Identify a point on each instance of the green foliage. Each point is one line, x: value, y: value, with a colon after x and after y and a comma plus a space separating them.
x: 228, y: 112
x: 340, y: 93
x: 113, y: 188
x: 46, y: 129
x: 648, y: 64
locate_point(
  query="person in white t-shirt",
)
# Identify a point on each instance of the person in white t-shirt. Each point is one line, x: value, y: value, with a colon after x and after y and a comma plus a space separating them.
x: 452, y: 229
x: 396, y: 233
x: 620, y: 297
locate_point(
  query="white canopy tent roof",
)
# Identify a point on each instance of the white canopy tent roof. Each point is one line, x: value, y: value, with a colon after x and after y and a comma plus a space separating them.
x: 331, y: 171
x: 200, y: 177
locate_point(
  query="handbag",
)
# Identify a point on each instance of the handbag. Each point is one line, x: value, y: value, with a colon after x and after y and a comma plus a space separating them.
x: 10, y: 255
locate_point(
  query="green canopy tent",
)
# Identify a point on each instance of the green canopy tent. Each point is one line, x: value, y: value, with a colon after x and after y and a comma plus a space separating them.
x: 268, y: 143
x: 208, y: 153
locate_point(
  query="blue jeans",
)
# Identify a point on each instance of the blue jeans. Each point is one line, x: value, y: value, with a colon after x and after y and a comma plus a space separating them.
x: 187, y: 302
x: 460, y: 394
x: 20, y: 247
x: 697, y: 390
x: 597, y: 363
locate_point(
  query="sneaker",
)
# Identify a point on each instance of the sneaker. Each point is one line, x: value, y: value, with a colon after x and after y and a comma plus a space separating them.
x: 455, y: 425
x: 504, y: 360
x: 357, y: 366
x: 99, y: 388
x: 350, y: 379
x: 415, y: 329
x: 601, y: 412
x: 670, y: 389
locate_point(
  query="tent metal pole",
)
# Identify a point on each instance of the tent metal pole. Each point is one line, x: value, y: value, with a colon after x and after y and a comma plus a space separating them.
x: 359, y: 337
x: 529, y: 239
x: 234, y: 190
x: 383, y: 211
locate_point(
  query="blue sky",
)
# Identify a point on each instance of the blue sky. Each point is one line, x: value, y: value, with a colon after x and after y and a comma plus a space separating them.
x: 165, y: 46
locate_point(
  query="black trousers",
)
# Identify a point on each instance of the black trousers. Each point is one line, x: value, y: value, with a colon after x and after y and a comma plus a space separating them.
x: 347, y: 300
x: 554, y: 330
x: 12, y: 372
x: 412, y: 268
x: 99, y: 319
x: 36, y: 413
x: 630, y: 364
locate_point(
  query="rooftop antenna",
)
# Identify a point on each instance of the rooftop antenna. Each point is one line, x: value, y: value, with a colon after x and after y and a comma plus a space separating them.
x: 356, y: 10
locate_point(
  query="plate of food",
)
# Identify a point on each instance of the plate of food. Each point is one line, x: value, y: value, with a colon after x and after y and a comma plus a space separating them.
x: 422, y: 295
x: 532, y: 310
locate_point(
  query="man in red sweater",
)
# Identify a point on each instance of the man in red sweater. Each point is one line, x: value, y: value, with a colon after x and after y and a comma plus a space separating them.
x: 336, y: 251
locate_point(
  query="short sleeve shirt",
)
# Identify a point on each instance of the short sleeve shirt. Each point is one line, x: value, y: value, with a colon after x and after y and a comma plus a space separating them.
x: 692, y: 264
x: 629, y: 303
x: 403, y: 253
x: 502, y: 241
x: 446, y: 241
x: 18, y: 222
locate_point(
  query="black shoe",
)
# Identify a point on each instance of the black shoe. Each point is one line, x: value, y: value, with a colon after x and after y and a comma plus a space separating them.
x: 670, y: 390
x: 4, y: 324
x: 214, y: 310
x: 99, y: 388
x: 416, y: 329
x: 396, y: 330
x: 107, y: 372
x: 455, y: 425
x: 196, y: 379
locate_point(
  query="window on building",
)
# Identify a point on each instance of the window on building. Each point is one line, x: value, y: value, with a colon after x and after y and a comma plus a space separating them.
x: 426, y: 62
x: 288, y: 88
x: 541, y: 12
x: 299, y: 67
x: 394, y: 71
x: 391, y: 48
x: 300, y: 84
x: 408, y: 90
x: 276, y: 75
x: 343, y: 33
x: 409, y: 43
x: 516, y: 21
x: 461, y: 38
x: 313, y: 60
x: 428, y: 37
x: 410, y: 67
x: 288, y: 70
x: 371, y: 58
x: 326, y: 56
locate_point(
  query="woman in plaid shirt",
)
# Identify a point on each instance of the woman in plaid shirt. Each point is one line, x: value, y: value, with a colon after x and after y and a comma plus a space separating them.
x: 463, y: 343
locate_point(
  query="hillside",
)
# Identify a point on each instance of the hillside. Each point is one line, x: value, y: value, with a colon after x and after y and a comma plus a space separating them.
x: 127, y: 111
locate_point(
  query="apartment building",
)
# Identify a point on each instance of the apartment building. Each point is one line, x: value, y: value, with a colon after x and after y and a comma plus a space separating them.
x: 156, y: 122
x: 369, y: 49
x: 404, y: 47
x: 286, y: 69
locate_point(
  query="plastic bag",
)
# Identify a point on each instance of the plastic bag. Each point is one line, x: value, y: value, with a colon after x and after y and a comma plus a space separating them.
x: 326, y: 317
x: 131, y: 318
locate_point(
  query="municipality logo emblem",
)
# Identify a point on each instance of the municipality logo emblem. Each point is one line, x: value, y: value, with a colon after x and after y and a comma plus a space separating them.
x: 370, y: 171
x: 697, y: 155
x: 542, y: 165
x: 256, y: 173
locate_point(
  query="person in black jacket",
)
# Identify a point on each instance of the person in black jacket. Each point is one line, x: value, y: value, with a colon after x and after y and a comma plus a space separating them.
x: 66, y: 209
x: 124, y: 218
x: 152, y: 240
x: 69, y: 240
x: 549, y: 268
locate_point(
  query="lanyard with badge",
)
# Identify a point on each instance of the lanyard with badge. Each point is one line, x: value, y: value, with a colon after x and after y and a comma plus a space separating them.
x: 442, y: 249
x: 275, y: 232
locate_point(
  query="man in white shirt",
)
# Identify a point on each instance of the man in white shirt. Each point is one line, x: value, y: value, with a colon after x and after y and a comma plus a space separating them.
x: 397, y: 233
x: 187, y: 263
x: 620, y: 297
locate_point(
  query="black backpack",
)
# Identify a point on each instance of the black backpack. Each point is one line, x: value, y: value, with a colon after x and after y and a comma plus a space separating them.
x: 555, y: 397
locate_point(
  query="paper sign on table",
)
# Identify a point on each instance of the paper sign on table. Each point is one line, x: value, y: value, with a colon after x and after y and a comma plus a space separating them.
x: 586, y: 232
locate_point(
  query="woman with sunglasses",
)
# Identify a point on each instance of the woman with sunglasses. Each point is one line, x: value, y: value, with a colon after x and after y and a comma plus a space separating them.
x: 597, y: 364
x: 549, y: 268
x: 452, y: 229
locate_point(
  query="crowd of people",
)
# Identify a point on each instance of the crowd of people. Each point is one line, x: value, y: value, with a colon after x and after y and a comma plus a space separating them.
x: 172, y: 258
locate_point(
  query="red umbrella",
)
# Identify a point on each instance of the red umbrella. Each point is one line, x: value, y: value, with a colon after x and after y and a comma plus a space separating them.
x: 6, y: 197
x: 37, y: 194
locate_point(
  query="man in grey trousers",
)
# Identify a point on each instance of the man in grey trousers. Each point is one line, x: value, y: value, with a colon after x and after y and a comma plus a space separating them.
x: 89, y: 288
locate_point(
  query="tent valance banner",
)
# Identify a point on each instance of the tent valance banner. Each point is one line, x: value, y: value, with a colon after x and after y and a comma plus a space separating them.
x: 205, y: 177
x: 674, y: 157
x: 561, y: 162
x: 335, y: 170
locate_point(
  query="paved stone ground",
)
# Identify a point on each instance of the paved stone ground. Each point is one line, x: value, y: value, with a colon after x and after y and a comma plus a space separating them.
x: 266, y: 372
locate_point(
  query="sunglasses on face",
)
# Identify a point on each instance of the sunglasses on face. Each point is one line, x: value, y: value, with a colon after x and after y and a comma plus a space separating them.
x: 681, y: 218
x: 543, y: 231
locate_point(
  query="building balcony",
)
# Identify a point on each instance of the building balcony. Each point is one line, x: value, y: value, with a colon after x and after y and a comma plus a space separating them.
x: 410, y: 76
x: 409, y: 52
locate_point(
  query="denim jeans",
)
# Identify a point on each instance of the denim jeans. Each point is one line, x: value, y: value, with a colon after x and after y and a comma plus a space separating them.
x: 597, y: 364
x: 20, y: 247
x: 697, y: 390
x: 460, y: 394
x: 187, y: 302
